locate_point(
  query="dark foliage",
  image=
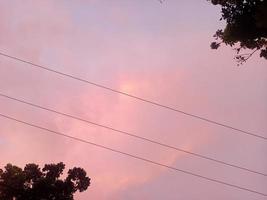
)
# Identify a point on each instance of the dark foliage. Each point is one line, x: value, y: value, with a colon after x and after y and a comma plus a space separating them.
x: 32, y: 183
x: 246, y: 27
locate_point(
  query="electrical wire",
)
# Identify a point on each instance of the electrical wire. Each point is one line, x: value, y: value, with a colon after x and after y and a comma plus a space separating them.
x: 260, y: 136
x: 132, y: 135
x: 135, y: 157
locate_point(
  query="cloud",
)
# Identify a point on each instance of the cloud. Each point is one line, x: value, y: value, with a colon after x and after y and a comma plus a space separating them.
x: 147, y: 58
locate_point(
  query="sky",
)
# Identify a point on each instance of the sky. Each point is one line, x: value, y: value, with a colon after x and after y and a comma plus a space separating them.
x: 158, y: 51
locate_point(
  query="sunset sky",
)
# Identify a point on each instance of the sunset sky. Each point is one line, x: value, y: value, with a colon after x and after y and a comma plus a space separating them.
x: 157, y: 51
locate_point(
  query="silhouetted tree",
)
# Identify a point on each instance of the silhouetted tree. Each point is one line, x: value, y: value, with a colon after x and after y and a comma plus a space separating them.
x: 32, y: 183
x: 246, y: 27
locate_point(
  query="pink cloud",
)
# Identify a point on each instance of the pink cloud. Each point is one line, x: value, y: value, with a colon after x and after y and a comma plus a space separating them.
x: 163, y: 68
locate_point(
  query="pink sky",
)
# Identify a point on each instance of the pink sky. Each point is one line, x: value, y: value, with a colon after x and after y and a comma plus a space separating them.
x: 157, y: 51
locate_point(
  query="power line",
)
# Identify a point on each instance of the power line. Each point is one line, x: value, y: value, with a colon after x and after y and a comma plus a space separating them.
x: 131, y: 135
x: 136, y: 97
x: 136, y: 157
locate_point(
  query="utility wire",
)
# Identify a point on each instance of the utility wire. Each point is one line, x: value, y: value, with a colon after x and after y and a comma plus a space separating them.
x: 136, y: 97
x: 131, y: 135
x: 136, y: 157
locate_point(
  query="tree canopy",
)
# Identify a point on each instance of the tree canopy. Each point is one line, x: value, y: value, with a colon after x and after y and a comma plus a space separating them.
x: 32, y: 183
x: 246, y: 27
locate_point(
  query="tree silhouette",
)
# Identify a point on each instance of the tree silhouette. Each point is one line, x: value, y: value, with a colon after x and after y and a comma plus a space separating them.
x: 246, y: 27
x: 32, y: 183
